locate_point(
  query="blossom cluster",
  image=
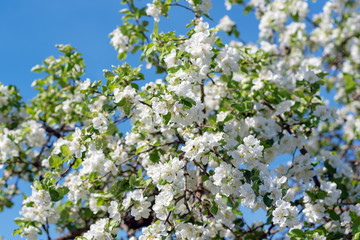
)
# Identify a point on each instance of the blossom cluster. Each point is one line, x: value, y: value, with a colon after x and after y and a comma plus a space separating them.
x: 207, y: 139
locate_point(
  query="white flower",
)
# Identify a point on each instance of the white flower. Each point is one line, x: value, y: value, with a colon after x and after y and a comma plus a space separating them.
x: 7, y: 146
x: 221, y: 116
x: 113, y: 211
x: 141, y: 207
x: 31, y: 233
x: 307, y: 75
x: 314, y: 213
x: 258, y: 84
x: 195, y: 149
x: 154, y: 231
x: 4, y: 95
x: 248, y: 196
x: 160, y: 107
x: 127, y: 93
x: 249, y: 152
x: 77, y: 190
x: 94, y: 206
x: 119, y: 41
x: 333, y: 194
x: 40, y: 197
x: 284, y: 107
x: 205, y: 5
x: 228, y: 59
x: 100, y: 122
x: 110, y: 167
x: 228, y: 5
x: 40, y: 209
x: 322, y: 112
x: 85, y: 85
x: 163, y: 200
x: 268, y: 47
x: 302, y: 168
x: 285, y: 215
x: 99, y: 231
x: 226, y: 24
x: 171, y: 59
x: 75, y: 146
x: 221, y: 173
x: 37, y: 135
x: 153, y: 11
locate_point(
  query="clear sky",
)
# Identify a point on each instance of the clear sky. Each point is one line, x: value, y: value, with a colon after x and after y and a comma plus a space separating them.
x: 30, y: 30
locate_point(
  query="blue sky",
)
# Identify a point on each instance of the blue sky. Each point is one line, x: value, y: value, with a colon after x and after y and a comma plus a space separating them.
x: 30, y: 30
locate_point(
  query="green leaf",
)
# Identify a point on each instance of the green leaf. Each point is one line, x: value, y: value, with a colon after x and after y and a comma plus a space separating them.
x: 113, y: 224
x: 207, y: 16
x: 38, y: 185
x: 49, y: 181
x: 330, y: 168
x: 87, y: 213
x: 112, y: 129
x: 356, y: 236
x: 139, y: 172
x: 356, y: 223
x: 344, y: 190
x: 135, y: 86
x: 297, y: 233
x: 156, y: 29
x: 47, y: 174
x: 246, y: 106
x: 133, y: 180
x: 122, y: 55
x: 127, y: 108
x: 108, y: 108
x: 100, y: 201
x: 166, y: 118
x: 139, y: 149
x: 350, y: 84
x: 109, y: 75
x: 295, y: 17
x: 333, y: 215
x: 162, y: 181
x: 322, y: 74
x: 321, y: 195
x: 55, y: 161
x: 77, y: 163
x: 18, y: 221
x: 62, y: 191
x: 247, y: 9
x: 174, y: 69
x: 55, y: 196
x: 187, y: 102
x: 154, y: 156
x: 190, y: 100
x: 311, y: 195
x: 268, y: 201
x: 197, y: 2
x: 65, y: 150
x: 121, y: 103
x: 204, y: 178
x: 214, y: 208
x: 93, y: 176
x: 100, y: 143
x: 243, y: 69
x: 120, y: 187
x: 17, y: 231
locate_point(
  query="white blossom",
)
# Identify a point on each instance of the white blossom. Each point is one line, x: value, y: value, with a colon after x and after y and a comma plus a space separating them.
x: 153, y: 11
x: 226, y: 24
